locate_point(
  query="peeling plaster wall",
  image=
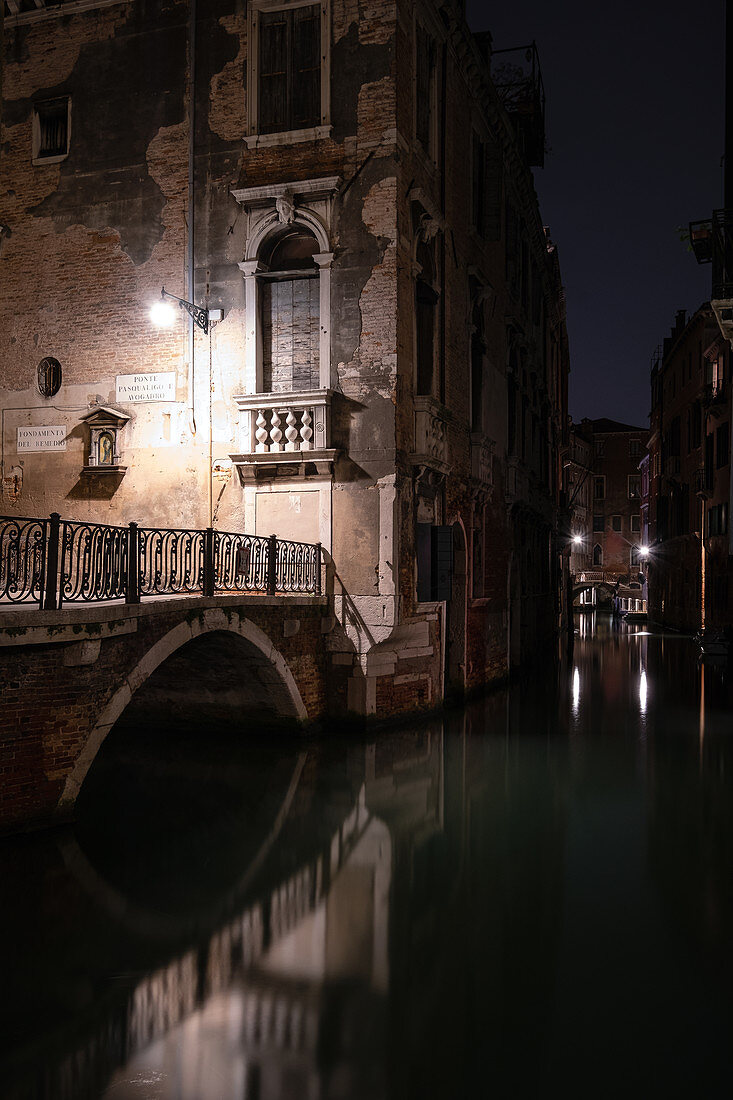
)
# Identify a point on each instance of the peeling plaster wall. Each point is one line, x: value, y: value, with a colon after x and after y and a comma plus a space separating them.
x: 93, y: 238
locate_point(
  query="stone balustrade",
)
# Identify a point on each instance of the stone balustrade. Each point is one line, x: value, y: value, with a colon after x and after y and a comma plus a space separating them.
x: 284, y: 423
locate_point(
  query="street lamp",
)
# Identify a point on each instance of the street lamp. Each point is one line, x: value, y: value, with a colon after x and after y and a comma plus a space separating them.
x: 577, y: 540
x: 643, y: 551
x: 163, y: 315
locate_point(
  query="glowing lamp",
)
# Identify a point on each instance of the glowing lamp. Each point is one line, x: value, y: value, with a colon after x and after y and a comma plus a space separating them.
x: 162, y: 314
x: 643, y: 551
x: 577, y: 539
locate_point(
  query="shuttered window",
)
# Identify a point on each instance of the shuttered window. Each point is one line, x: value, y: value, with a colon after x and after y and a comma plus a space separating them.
x: 425, y: 78
x: 289, y: 93
x: 52, y: 129
x: 290, y: 334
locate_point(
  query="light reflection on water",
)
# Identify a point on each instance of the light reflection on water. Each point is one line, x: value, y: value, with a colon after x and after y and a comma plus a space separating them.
x: 471, y: 905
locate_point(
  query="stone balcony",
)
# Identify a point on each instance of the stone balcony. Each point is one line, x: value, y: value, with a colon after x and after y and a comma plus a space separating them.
x: 280, y: 430
x: 431, y: 435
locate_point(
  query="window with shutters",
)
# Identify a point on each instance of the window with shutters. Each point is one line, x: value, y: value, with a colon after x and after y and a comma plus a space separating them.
x: 289, y: 313
x: 478, y: 353
x: 477, y: 183
x: 51, y: 130
x: 425, y: 90
x: 426, y: 312
x: 288, y: 73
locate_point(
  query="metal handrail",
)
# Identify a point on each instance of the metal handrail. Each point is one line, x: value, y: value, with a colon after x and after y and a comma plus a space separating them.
x: 49, y: 562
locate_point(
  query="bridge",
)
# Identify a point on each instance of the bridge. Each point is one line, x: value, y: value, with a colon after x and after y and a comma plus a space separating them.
x: 589, y: 583
x: 91, y: 612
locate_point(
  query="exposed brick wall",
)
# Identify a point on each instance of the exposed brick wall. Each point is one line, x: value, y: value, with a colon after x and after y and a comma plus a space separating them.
x: 50, y: 707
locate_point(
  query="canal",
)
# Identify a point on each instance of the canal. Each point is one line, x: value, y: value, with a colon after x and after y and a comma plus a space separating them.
x: 533, y: 894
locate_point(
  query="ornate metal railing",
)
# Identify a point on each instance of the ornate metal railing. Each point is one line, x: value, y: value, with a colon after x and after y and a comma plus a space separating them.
x: 240, y: 562
x: 52, y: 561
x: 171, y: 561
x: 22, y: 559
x: 93, y: 562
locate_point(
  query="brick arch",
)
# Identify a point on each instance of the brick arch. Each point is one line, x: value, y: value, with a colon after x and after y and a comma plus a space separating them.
x: 212, y: 621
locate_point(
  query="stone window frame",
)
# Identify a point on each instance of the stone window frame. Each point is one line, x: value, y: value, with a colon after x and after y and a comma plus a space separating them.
x: 429, y: 225
x: 38, y: 106
x: 306, y: 204
x: 617, y: 523
x: 423, y: 17
x: 253, y: 138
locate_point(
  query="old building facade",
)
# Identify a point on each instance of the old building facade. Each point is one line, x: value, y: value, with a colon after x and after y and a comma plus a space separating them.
x: 387, y: 375
x: 689, y: 477
x: 613, y: 534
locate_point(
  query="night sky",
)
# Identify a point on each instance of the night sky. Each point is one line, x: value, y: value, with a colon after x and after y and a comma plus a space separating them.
x: 635, y: 138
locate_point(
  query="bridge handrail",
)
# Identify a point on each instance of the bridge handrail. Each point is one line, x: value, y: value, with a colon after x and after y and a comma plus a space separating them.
x: 52, y: 561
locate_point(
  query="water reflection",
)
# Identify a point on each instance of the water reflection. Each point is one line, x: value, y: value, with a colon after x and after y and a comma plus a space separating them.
x: 470, y: 905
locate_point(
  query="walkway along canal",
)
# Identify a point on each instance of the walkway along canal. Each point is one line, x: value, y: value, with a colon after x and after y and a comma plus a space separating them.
x: 532, y: 894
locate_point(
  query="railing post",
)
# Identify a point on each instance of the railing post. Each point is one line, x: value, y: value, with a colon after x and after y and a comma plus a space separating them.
x: 319, y: 566
x: 272, y: 565
x: 209, y: 562
x: 132, y: 586
x: 51, y: 580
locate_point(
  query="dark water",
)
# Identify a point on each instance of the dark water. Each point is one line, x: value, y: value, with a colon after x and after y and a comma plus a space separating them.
x: 532, y: 896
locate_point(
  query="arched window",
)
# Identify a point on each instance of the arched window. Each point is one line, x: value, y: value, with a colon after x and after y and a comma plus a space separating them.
x: 289, y: 312
x: 426, y: 308
x: 478, y: 351
x: 598, y: 554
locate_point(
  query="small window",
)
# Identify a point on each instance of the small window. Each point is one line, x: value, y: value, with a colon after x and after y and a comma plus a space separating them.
x: 634, y: 558
x: 615, y: 523
x: 600, y: 447
x: 51, y: 130
x: 599, y: 488
x: 636, y: 524
x: 598, y: 523
x: 634, y: 486
x: 49, y: 376
x: 598, y: 554
x: 634, y: 448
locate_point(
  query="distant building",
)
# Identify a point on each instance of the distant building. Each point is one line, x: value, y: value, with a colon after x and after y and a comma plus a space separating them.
x: 577, y: 484
x: 613, y: 533
x: 690, y: 584
x: 352, y: 187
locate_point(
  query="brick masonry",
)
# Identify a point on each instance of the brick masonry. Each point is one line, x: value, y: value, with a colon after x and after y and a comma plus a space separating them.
x: 62, y: 692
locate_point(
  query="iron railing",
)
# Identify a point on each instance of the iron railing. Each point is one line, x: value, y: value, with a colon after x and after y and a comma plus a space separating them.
x: 50, y: 562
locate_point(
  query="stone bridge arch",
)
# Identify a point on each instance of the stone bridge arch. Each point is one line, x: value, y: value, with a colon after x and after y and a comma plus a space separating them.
x: 274, y: 677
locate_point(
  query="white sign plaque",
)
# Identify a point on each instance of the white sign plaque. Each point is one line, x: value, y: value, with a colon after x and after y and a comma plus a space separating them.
x: 146, y: 387
x: 42, y: 437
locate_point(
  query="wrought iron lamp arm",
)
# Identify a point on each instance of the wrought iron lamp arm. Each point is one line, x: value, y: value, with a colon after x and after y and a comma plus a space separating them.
x: 199, y: 314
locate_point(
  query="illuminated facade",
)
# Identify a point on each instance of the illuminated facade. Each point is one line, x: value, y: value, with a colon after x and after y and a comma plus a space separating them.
x: 389, y: 377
